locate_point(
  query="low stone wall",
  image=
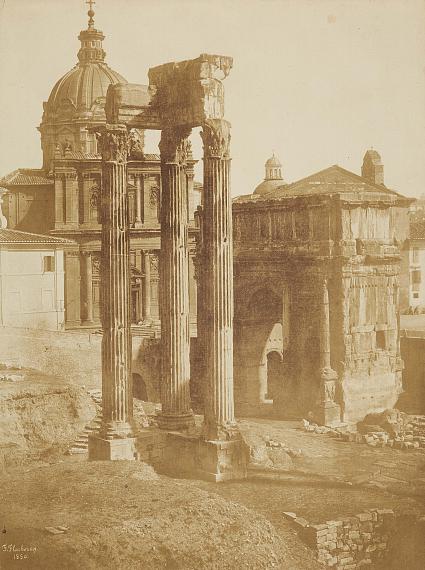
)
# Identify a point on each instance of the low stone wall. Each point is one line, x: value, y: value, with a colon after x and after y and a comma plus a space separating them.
x: 349, y: 543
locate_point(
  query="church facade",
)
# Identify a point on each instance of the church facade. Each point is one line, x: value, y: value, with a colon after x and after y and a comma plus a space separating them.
x: 62, y: 198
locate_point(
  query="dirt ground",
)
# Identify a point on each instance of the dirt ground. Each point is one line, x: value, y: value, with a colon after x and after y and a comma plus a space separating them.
x: 123, y: 515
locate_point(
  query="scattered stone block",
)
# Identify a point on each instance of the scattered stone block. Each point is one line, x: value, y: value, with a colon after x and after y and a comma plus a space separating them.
x: 301, y: 522
x: 53, y: 530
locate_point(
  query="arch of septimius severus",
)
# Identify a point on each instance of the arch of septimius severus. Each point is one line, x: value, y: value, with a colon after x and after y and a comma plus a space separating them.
x: 180, y: 97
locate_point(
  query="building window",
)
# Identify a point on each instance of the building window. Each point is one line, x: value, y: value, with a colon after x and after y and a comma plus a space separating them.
x: 380, y: 340
x: 415, y: 255
x: 416, y: 295
x: 416, y: 277
x: 48, y: 263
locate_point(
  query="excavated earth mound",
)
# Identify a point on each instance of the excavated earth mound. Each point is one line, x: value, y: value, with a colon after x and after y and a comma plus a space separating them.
x: 39, y: 416
x: 122, y: 515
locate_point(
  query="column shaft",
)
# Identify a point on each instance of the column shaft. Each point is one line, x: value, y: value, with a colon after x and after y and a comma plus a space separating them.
x: 88, y: 287
x: 147, y: 286
x: 218, y: 281
x: 138, y: 217
x: 174, y: 282
x: 325, y: 350
x: 115, y: 281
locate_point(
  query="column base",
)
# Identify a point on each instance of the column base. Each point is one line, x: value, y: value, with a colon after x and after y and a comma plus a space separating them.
x: 328, y: 414
x: 186, y: 455
x: 101, y: 449
x: 138, y: 225
x: 222, y: 460
x: 176, y: 422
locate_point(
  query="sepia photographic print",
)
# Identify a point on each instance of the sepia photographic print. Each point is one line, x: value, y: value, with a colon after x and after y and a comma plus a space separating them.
x: 212, y: 284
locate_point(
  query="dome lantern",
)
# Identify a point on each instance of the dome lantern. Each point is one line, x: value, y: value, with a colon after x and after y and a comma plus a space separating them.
x: 91, y: 41
x: 273, y: 178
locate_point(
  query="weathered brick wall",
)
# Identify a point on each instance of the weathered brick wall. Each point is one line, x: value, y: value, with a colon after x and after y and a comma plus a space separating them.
x: 349, y: 543
x: 352, y: 542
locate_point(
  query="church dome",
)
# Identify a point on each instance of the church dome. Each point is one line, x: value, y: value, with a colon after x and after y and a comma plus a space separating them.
x: 273, y: 177
x: 83, y: 86
x: 77, y: 101
x: 267, y: 186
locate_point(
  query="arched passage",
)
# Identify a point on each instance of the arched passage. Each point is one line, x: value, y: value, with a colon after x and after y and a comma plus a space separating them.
x: 274, y: 375
x: 258, y: 345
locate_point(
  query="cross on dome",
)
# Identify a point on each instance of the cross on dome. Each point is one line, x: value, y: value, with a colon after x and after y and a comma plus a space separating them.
x: 90, y: 13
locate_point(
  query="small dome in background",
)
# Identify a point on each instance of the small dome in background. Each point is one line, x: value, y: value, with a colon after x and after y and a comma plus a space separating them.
x: 273, y: 161
x: 273, y: 178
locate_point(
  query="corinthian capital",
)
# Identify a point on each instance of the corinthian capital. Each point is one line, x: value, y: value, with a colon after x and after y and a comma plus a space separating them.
x: 216, y: 138
x: 113, y: 143
x: 175, y: 146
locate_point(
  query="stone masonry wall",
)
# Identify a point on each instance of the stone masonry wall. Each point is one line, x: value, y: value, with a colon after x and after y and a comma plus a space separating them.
x: 352, y: 542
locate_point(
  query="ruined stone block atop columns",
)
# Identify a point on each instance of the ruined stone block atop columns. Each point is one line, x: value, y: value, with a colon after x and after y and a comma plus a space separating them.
x: 179, y: 93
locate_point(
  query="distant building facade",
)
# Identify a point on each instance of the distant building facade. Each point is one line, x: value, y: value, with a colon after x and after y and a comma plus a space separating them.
x: 413, y: 267
x: 32, y: 280
x: 63, y: 197
x: 317, y: 269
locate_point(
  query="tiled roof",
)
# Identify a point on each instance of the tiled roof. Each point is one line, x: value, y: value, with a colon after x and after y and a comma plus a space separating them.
x: 77, y: 155
x: 417, y: 229
x: 26, y: 177
x: 332, y: 180
x: 18, y: 237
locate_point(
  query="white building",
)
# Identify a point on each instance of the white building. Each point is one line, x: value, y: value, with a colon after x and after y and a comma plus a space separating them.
x: 31, y: 279
x: 413, y: 269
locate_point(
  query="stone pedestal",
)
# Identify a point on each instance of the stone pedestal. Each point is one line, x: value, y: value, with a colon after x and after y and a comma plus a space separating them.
x: 222, y: 460
x: 101, y: 449
x: 328, y: 412
x: 115, y: 438
x: 186, y: 455
x: 174, y: 282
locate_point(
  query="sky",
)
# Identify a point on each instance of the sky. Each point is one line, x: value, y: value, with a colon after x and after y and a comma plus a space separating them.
x: 316, y: 81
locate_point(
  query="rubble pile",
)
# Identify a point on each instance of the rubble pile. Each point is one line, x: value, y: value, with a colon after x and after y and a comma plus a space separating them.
x: 390, y: 428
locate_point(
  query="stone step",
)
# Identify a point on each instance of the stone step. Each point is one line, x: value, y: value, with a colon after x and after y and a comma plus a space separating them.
x: 76, y: 450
